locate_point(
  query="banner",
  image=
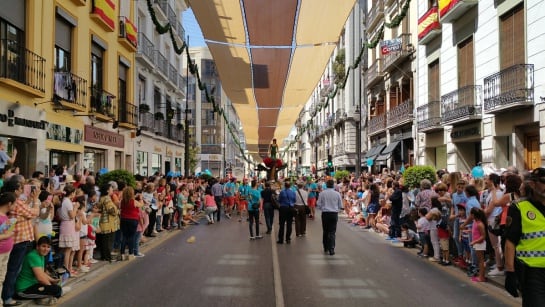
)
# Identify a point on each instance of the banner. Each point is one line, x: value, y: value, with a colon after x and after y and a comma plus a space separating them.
x: 106, y: 10
x: 392, y: 45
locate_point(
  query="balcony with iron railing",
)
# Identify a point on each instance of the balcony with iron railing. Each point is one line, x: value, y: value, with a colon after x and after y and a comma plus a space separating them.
x: 161, y: 62
x: 462, y: 105
x: 394, y: 58
x: 400, y: 114
x: 340, y: 116
x: 510, y: 88
x: 127, y: 115
x: 339, y: 149
x: 375, y: 14
x: 180, y: 31
x: 22, y: 68
x: 375, y: 72
x: 429, y: 26
x: 377, y: 124
x: 172, y: 18
x: 147, y: 120
x: 456, y: 9
x: 145, y: 52
x: 161, y: 9
x: 429, y: 116
x: 159, y: 126
x: 70, y: 90
x: 173, y: 75
x: 102, y: 104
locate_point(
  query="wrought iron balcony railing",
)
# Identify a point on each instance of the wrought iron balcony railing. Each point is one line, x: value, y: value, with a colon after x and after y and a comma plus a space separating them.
x: 375, y: 14
x: 377, y: 123
x: 395, y: 57
x: 173, y: 74
x: 21, y: 65
x: 147, y: 121
x: 339, y: 149
x: 462, y: 104
x: 159, y: 127
x: 163, y: 5
x: 400, y: 114
x: 102, y: 102
x: 161, y: 62
x: 145, y: 48
x: 375, y: 72
x: 429, y: 116
x: 511, y: 87
x: 71, y: 89
x: 340, y: 116
x: 127, y: 113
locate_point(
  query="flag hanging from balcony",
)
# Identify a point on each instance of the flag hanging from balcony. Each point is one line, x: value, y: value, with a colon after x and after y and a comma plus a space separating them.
x: 106, y: 10
x: 428, y: 22
x: 391, y: 45
x: 130, y: 29
x: 445, y: 6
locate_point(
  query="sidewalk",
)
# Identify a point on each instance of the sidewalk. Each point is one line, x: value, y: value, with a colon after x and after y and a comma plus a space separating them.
x: 75, y: 285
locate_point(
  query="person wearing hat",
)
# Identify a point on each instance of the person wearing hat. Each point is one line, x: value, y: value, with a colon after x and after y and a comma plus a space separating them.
x: 525, y: 244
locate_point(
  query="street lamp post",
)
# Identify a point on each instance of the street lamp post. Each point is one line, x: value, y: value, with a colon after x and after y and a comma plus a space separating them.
x: 186, y: 120
x: 357, y: 118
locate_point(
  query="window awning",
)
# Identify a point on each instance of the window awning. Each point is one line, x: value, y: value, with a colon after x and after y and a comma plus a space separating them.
x: 374, y: 152
x: 387, y: 152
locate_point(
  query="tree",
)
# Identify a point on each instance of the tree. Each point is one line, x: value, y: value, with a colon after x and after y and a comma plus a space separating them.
x: 414, y: 174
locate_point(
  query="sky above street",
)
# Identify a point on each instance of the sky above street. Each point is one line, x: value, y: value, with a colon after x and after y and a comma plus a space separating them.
x: 192, y: 29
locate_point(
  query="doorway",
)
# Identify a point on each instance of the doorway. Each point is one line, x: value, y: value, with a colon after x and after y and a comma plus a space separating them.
x: 532, y: 155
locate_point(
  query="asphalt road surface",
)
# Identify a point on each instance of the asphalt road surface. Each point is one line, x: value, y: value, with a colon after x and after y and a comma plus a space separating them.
x: 224, y: 268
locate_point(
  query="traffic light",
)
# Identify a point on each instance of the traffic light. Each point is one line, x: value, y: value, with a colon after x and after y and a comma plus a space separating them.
x: 329, y: 163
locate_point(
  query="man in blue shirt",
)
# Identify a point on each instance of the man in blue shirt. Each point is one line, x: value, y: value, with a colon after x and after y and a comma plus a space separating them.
x: 330, y: 203
x: 287, y: 203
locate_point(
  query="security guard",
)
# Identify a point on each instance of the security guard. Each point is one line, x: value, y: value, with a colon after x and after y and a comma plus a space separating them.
x: 525, y: 244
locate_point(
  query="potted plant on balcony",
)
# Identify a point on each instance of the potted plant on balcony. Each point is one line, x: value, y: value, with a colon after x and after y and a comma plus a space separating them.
x: 143, y: 108
x: 159, y: 116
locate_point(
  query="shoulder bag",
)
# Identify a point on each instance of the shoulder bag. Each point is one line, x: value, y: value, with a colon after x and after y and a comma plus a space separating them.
x: 307, y: 209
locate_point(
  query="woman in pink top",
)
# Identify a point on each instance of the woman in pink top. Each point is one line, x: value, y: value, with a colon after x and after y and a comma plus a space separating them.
x: 209, y: 206
x: 7, y: 202
x: 479, y: 240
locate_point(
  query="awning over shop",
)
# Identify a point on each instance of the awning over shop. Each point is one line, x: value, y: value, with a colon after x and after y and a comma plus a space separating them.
x: 387, y: 152
x: 374, y: 152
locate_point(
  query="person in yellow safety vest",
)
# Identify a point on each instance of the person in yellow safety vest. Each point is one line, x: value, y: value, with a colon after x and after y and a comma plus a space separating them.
x: 525, y: 242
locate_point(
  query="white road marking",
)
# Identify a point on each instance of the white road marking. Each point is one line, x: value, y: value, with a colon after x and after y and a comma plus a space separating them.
x: 278, y: 293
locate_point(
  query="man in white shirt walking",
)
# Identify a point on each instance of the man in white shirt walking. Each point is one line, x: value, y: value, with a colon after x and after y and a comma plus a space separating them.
x: 330, y: 203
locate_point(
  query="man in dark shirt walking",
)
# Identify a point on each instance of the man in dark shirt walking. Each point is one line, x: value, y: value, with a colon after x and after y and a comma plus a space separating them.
x: 330, y: 203
x: 287, y: 203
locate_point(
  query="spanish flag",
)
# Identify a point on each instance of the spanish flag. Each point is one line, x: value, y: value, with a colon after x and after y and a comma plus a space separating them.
x: 106, y: 10
x: 130, y: 29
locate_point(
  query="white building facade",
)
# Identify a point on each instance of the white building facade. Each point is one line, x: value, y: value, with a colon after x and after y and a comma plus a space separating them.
x: 480, y: 83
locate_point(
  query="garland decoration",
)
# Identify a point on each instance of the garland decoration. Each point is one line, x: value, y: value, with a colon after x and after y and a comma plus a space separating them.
x: 193, y: 68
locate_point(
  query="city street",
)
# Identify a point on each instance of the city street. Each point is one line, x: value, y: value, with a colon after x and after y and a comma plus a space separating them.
x: 224, y: 268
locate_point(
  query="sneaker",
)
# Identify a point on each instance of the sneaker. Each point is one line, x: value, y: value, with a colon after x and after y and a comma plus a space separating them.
x: 496, y: 272
x: 433, y: 259
x: 252, y: 238
x: 139, y: 255
x: 446, y: 263
x: 93, y: 261
x: 228, y: 216
x: 259, y: 237
x: 84, y: 269
x: 48, y: 301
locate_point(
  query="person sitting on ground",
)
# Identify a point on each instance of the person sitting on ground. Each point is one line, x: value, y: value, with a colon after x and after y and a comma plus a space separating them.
x: 383, y: 220
x: 33, y: 282
x: 408, y: 236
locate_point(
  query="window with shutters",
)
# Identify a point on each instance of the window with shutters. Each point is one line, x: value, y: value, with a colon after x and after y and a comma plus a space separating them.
x: 466, y: 66
x: 433, y: 82
x: 63, y: 45
x: 512, y: 37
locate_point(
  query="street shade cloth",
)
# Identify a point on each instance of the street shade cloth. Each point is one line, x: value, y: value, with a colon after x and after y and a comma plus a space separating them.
x: 270, y: 56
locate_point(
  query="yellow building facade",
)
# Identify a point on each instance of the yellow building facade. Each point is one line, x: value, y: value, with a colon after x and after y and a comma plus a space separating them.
x: 67, y: 83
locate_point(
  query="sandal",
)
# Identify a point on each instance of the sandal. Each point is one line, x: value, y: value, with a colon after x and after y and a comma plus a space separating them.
x: 476, y: 279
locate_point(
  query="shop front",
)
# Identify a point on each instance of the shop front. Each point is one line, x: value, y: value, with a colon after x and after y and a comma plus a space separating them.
x: 24, y: 128
x: 64, y: 143
x: 103, y: 149
x: 467, y: 141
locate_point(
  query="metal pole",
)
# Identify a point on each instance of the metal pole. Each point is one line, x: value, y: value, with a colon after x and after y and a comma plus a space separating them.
x: 363, y: 80
x: 186, y: 120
